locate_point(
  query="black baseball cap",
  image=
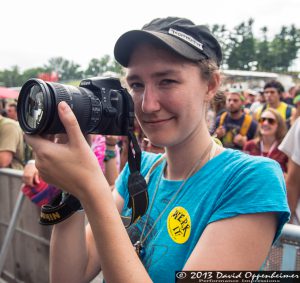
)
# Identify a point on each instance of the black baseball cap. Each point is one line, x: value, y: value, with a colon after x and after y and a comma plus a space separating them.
x: 194, y: 42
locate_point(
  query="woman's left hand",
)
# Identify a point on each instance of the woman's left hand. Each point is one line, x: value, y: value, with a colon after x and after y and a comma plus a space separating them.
x: 68, y: 166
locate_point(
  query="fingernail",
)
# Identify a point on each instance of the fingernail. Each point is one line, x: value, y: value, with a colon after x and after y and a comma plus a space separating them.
x: 64, y: 106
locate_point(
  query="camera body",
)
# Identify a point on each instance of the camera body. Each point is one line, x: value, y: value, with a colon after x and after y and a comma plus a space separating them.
x: 101, y: 106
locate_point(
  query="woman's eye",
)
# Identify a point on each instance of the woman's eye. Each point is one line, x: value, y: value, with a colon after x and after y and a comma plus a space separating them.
x: 136, y: 86
x: 168, y: 82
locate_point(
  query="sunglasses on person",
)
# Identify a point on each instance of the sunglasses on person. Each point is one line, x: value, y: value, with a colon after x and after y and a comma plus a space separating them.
x: 271, y: 121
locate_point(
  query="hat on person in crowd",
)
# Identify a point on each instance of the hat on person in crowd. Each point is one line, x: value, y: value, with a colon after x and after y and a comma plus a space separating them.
x: 252, y: 92
x: 194, y: 42
x: 237, y: 91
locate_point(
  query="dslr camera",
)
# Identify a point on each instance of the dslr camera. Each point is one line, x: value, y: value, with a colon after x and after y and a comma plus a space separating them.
x: 101, y: 106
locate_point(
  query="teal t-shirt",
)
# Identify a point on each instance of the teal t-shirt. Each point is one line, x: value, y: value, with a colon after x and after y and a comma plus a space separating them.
x: 230, y: 184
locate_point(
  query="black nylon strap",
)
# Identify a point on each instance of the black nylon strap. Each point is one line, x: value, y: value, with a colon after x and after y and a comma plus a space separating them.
x: 137, y: 186
x: 134, y: 159
x: 53, y: 214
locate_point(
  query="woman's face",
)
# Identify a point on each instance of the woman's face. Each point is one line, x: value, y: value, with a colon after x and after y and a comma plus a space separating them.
x: 168, y: 93
x: 268, y: 124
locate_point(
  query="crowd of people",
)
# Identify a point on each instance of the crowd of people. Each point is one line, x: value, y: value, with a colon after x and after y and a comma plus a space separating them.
x: 198, y: 189
x: 256, y: 122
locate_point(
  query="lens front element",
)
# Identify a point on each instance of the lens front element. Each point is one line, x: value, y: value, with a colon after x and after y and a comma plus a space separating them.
x: 34, y: 107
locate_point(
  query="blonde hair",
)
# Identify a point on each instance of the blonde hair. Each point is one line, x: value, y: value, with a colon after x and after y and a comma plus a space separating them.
x: 281, y: 125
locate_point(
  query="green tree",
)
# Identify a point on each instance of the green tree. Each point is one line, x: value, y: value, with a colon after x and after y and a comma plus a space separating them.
x: 32, y: 73
x: 242, y: 47
x: 263, y: 52
x: 98, y: 67
x: 12, y: 77
x: 223, y: 36
x: 66, y: 70
x: 284, y: 48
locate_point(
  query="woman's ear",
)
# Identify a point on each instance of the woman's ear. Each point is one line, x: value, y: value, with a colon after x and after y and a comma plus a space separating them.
x: 213, y: 86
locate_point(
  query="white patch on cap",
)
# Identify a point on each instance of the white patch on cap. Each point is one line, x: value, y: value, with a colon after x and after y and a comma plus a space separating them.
x: 186, y: 38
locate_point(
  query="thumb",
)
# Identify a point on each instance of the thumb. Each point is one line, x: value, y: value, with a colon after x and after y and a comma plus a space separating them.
x: 70, y: 123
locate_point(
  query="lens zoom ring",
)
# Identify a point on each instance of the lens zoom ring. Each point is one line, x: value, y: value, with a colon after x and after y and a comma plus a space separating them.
x: 62, y: 93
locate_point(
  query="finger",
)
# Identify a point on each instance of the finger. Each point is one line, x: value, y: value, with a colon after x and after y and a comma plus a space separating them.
x: 36, y: 179
x: 28, y: 180
x: 70, y: 123
x: 36, y: 142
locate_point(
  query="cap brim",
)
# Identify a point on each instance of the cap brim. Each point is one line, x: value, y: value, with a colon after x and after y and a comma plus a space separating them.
x: 129, y: 40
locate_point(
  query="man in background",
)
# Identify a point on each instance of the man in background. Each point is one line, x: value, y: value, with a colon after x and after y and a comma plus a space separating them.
x: 273, y: 92
x: 11, y: 111
x: 234, y: 127
x: 11, y: 144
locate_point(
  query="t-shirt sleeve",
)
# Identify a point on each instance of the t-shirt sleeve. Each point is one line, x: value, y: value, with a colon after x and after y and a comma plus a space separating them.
x: 290, y: 144
x: 9, y: 137
x: 257, y: 187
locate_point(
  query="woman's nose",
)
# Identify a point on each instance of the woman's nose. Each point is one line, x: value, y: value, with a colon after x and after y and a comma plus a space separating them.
x: 150, y: 100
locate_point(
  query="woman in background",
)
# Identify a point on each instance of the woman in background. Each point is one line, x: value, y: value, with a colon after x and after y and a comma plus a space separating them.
x: 271, y: 132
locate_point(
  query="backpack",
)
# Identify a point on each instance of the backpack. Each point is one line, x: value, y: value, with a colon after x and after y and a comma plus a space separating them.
x: 245, y: 125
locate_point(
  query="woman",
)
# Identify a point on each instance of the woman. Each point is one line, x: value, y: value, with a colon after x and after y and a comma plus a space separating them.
x: 208, y: 206
x: 271, y: 132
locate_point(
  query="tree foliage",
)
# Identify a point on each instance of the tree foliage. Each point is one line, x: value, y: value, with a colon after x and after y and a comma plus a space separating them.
x: 98, y: 67
x: 243, y: 51
x: 66, y: 70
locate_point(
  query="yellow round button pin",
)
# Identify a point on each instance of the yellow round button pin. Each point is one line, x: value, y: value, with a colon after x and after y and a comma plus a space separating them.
x: 179, y: 225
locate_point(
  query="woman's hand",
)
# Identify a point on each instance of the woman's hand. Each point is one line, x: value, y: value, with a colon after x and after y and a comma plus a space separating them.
x: 68, y: 166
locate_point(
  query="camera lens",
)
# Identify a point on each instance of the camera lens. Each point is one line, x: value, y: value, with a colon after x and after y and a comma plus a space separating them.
x: 37, y: 107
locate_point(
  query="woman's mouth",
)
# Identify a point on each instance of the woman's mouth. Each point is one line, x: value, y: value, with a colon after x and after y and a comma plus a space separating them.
x: 157, y: 122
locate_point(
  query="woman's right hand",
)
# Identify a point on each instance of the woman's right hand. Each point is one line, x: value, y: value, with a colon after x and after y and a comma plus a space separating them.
x: 69, y: 165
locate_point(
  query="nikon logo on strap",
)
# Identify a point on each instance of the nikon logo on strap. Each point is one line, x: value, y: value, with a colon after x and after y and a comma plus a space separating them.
x: 53, y: 216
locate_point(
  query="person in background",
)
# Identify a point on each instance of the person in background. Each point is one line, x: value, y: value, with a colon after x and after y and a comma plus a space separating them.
x: 197, y: 190
x: 271, y: 131
x: 11, y: 111
x: 289, y: 95
x: 219, y: 103
x: 217, y: 107
x: 291, y: 147
x: 273, y: 91
x: 259, y: 102
x: 234, y: 127
x: 11, y: 144
x: 250, y: 97
x: 296, y: 103
x: 107, y: 152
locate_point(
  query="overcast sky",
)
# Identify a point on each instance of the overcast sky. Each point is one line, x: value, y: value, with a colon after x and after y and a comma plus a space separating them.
x: 33, y: 31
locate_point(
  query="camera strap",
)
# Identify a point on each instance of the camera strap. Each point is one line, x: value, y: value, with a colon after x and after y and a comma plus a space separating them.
x: 62, y: 207
x: 137, y: 186
x: 66, y: 204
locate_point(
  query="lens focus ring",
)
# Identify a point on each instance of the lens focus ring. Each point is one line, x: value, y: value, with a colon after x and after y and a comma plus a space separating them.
x: 62, y: 94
